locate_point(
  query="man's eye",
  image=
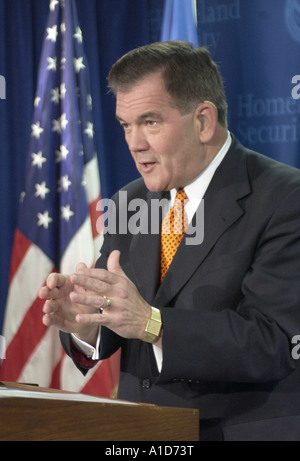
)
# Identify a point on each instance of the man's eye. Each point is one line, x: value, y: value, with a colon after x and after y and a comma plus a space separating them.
x: 151, y: 122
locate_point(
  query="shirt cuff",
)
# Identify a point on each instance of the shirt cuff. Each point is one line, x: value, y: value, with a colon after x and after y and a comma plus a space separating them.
x: 86, y: 349
x: 92, y: 353
x: 158, y: 356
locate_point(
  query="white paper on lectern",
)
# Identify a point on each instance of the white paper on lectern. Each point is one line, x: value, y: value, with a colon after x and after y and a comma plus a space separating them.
x: 6, y: 392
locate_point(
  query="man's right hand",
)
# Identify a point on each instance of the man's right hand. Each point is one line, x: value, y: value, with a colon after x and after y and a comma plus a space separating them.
x: 60, y: 311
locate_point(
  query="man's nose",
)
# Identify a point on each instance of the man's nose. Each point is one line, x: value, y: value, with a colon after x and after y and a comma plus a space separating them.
x: 137, y: 140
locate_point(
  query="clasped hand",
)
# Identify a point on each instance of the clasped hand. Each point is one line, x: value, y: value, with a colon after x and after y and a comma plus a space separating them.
x: 73, y: 302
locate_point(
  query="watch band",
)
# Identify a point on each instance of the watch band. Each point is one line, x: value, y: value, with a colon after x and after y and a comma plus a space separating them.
x: 153, y: 327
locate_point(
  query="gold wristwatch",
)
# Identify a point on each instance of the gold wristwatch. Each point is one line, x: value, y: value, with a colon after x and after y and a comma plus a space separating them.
x: 153, y: 327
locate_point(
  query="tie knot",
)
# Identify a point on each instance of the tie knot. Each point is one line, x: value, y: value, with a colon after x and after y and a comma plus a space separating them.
x: 181, y: 195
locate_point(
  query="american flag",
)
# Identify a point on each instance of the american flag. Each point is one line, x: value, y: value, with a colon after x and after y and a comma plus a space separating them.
x: 57, y: 214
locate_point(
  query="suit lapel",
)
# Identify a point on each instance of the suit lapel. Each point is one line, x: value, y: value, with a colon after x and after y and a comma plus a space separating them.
x: 145, y: 252
x: 221, y: 209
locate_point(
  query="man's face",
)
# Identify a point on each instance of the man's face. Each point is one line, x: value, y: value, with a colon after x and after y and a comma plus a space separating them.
x: 163, y: 143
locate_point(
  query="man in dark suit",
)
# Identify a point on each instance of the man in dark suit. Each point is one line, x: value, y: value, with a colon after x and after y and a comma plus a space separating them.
x: 219, y: 331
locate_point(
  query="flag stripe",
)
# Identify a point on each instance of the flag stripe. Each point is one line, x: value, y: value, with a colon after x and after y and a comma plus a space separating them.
x: 55, y: 383
x: 49, y: 349
x: 95, y: 218
x: 80, y: 249
x: 26, y: 339
x: 21, y: 245
x: 30, y: 276
x: 93, y: 183
x: 102, y: 377
x: 74, y: 380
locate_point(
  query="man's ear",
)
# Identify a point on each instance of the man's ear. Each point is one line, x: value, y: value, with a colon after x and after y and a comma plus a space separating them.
x: 206, y: 119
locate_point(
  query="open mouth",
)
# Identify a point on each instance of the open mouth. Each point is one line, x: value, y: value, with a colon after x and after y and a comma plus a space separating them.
x: 146, y: 167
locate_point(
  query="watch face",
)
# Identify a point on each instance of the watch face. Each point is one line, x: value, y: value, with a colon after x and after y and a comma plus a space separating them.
x: 154, y: 327
x: 154, y: 324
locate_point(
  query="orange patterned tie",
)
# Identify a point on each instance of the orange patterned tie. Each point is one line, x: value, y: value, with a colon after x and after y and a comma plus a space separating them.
x: 172, y: 231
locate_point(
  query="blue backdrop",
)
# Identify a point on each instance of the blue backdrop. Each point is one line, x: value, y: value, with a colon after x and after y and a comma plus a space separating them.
x: 255, y: 42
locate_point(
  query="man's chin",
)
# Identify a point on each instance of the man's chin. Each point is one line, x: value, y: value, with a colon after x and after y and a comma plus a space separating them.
x: 153, y: 186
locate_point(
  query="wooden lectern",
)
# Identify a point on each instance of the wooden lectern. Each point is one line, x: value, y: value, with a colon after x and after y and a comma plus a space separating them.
x: 37, y: 414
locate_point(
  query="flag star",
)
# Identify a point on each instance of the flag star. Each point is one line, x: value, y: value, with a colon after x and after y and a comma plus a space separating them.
x: 89, y: 130
x: 61, y: 154
x: 78, y: 35
x: 83, y: 181
x: 60, y: 124
x: 64, y: 183
x: 63, y: 121
x: 55, y: 96
x: 36, y: 130
x: 78, y: 63
x: 38, y: 159
x: 44, y: 219
x: 89, y: 100
x: 63, y: 90
x: 22, y: 196
x: 62, y: 63
x: 53, y: 4
x: 41, y: 190
x: 52, y: 33
x: 37, y: 101
x: 66, y: 213
x: 51, y: 63
x: 56, y: 126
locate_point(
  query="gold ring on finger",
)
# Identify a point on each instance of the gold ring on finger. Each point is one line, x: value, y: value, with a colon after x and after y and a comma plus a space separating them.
x: 108, y: 301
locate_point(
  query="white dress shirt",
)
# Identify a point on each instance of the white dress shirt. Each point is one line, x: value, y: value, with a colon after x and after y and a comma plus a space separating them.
x: 195, y: 192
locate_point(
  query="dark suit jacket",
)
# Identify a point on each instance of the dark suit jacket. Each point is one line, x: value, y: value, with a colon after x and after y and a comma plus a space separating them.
x: 230, y: 306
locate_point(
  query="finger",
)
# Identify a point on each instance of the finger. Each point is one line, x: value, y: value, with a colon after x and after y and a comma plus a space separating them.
x: 107, y: 277
x: 53, y: 319
x: 113, y: 263
x: 90, y: 319
x: 55, y: 280
x: 81, y: 267
x: 99, y: 274
x: 91, y: 300
x: 91, y: 287
x: 44, y: 293
x: 97, y: 281
x: 50, y: 307
x: 48, y: 320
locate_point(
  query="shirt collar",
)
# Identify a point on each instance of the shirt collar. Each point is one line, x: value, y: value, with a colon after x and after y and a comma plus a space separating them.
x: 197, y: 188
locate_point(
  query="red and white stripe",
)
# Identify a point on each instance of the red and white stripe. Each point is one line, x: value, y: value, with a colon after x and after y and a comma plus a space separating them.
x: 33, y: 351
